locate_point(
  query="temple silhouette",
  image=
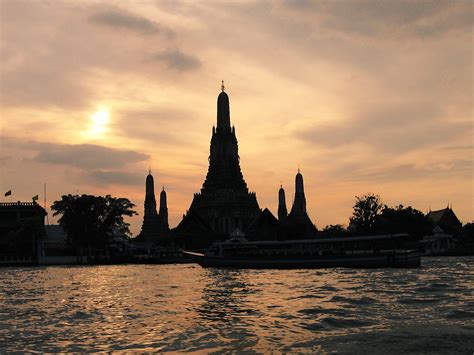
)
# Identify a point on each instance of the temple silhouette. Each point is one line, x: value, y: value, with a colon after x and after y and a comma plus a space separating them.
x: 155, y: 226
x: 297, y: 223
x: 224, y: 207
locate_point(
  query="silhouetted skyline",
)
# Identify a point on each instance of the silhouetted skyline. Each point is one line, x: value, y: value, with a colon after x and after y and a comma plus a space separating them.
x: 365, y: 98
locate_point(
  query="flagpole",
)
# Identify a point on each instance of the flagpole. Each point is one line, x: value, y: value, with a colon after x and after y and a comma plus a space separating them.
x: 47, y: 219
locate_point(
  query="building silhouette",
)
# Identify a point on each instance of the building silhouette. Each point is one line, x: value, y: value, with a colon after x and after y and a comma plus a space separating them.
x: 265, y: 227
x: 155, y: 226
x: 22, y: 229
x: 224, y: 206
x: 445, y: 219
x: 297, y: 224
x: 282, y: 211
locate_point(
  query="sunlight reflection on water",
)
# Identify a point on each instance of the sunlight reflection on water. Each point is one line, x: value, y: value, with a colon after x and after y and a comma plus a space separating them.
x: 187, y: 308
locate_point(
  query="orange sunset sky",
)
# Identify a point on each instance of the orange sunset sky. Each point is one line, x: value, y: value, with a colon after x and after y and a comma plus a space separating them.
x: 366, y: 96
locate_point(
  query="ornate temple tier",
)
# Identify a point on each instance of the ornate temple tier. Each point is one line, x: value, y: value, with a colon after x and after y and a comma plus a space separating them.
x: 224, y: 204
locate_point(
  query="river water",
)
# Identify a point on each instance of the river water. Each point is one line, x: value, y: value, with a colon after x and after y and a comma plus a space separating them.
x: 187, y: 308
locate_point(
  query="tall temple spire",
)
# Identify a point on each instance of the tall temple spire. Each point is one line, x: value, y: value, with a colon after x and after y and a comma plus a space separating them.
x: 163, y: 208
x: 224, y: 169
x: 155, y: 226
x: 224, y: 203
x: 299, y: 204
x: 223, y: 111
x: 298, y: 220
x: 282, y: 211
x: 150, y: 202
x: 150, y: 185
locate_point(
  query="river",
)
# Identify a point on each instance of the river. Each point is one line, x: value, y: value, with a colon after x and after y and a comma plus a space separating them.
x: 180, y: 308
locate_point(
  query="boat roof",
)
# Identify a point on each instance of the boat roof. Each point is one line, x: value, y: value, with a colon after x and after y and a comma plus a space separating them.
x: 321, y: 240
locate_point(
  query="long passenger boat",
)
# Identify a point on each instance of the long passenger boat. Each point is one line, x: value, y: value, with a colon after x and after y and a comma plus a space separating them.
x: 354, y: 252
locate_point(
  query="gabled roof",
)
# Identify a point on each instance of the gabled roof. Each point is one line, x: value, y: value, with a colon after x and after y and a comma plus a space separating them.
x: 443, y: 216
x: 193, y: 222
x: 265, y: 216
x: 300, y: 224
x: 435, y: 216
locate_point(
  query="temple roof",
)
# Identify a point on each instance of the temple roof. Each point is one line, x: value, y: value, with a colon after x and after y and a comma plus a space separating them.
x: 265, y: 216
x: 223, y: 110
x: 446, y: 215
x: 299, y: 186
x: 150, y: 184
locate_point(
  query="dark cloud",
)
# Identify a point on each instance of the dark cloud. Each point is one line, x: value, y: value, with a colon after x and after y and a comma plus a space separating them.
x: 88, y: 156
x: 83, y: 156
x: 115, y: 177
x: 176, y: 59
x: 385, y: 17
x: 119, y: 19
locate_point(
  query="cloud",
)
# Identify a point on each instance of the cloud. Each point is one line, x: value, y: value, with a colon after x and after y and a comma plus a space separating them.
x: 87, y: 156
x: 23, y: 77
x: 176, y: 59
x: 156, y: 124
x: 87, y: 163
x: 390, y: 19
x: 119, y: 19
x: 4, y: 159
x: 358, y: 88
x: 81, y: 52
x: 388, y: 128
x: 459, y: 168
x: 83, y: 156
x: 115, y: 177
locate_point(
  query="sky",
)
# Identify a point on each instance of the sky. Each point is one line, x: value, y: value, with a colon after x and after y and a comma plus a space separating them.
x: 364, y: 96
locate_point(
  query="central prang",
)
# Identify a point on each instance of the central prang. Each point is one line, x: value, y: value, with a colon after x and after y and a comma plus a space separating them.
x: 224, y: 205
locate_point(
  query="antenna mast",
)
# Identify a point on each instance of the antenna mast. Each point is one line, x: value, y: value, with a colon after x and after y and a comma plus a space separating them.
x: 47, y: 218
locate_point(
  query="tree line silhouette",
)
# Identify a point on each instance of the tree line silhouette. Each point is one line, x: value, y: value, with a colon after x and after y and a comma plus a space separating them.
x: 91, y: 222
x: 370, y: 216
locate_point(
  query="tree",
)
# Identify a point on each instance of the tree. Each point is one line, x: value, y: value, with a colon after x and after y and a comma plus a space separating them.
x: 365, y: 212
x: 403, y: 220
x: 334, y: 231
x: 466, y: 238
x: 91, y: 221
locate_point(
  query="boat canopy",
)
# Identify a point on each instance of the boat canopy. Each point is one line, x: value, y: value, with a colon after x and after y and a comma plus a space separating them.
x: 234, y: 241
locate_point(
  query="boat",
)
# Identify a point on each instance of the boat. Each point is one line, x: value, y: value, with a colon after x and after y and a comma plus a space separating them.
x: 353, y: 252
x: 160, y: 255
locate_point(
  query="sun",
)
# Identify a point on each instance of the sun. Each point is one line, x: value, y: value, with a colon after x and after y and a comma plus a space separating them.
x: 98, y: 123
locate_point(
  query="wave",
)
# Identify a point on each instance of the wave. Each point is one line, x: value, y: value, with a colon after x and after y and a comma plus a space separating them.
x: 356, y: 301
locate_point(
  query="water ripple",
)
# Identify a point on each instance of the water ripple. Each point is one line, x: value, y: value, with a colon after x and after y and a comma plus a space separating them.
x: 181, y: 308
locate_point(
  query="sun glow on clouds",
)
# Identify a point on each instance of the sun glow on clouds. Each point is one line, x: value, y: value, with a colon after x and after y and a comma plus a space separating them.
x: 98, y: 123
x: 363, y: 97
